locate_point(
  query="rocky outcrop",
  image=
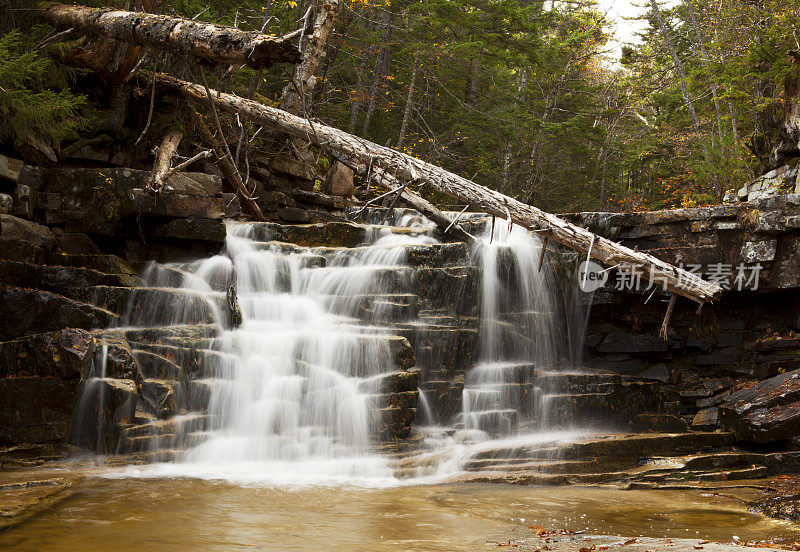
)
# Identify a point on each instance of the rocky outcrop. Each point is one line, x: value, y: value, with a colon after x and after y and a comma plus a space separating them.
x: 39, y: 380
x: 766, y: 411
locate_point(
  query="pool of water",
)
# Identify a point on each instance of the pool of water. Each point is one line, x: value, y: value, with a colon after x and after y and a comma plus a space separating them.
x: 143, y: 515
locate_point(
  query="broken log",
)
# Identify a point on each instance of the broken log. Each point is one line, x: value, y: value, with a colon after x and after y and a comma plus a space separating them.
x: 183, y: 36
x: 163, y: 162
x: 412, y: 199
x: 410, y: 169
x: 226, y: 167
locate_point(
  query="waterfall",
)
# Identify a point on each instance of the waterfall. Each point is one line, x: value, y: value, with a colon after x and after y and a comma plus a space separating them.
x: 287, y: 363
x: 518, y: 330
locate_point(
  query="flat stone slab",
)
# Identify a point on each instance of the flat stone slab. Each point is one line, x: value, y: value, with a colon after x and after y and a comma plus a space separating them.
x: 20, y: 501
x: 574, y: 543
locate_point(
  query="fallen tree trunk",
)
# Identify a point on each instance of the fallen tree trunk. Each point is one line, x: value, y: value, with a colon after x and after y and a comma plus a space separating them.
x: 184, y: 36
x: 410, y: 198
x: 409, y: 169
x: 163, y: 162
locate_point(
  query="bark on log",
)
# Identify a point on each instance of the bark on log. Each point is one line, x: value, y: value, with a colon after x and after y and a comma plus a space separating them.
x: 410, y: 198
x: 163, y: 162
x: 202, y: 40
x: 297, y: 94
x: 409, y: 169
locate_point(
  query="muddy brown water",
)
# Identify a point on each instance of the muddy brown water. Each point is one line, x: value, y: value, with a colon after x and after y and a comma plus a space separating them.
x: 127, y: 515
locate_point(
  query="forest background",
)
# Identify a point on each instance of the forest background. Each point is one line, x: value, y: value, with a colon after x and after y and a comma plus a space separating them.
x: 521, y: 96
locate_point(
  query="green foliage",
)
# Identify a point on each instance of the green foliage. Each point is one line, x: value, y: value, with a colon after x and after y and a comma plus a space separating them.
x: 32, y: 104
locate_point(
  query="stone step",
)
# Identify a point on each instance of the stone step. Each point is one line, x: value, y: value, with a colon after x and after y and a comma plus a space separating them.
x: 495, y: 422
x: 542, y: 466
x: 27, y: 312
x: 75, y: 283
x: 330, y: 234
x: 189, y: 334
x: 648, y: 445
x: 109, y: 264
x: 146, y: 306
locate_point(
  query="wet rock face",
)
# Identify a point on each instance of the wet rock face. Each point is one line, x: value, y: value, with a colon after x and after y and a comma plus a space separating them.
x: 65, y: 353
x: 27, y: 312
x: 765, y: 412
x: 39, y: 380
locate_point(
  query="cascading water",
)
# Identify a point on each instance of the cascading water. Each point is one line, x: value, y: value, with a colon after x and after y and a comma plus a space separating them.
x: 518, y: 330
x: 292, y: 393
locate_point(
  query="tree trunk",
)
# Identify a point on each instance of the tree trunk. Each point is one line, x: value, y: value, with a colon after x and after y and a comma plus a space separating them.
x: 297, y: 94
x: 701, y: 44
x: 163, y: 163
x: 409, y: 103
x: 380, y: 69
x: 409, y: 169
x: 355, y: 107
x: 789, y: 133
x: 687, y: 101
x: 183, y: 36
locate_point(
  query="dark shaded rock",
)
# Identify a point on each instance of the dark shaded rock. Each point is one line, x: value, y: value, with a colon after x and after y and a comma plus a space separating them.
x: 727, y: 355
x: 632, y: 343
x: 77, y: 244
x: 294, y: 214
x: 106, y: 406
x: 192, y: 229
x: 36, y: 409
x: 23, y: 240
x: 22, y: 201
x: 667, y: 423
x: 765, y: 412
x: 74, y: 283
x: 706, y: 420
x: 339, y: 180
x: 110, y: 264
x: 657, y: 372
x: 65, y: 354
x: 27, y: 312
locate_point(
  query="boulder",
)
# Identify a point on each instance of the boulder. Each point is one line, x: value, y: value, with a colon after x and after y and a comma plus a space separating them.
x: 65, y: 354
x: 706, y: 420
x: 10, y: 168
x: 6, y: 203
x: 339, y: 181
x: 24, y: 240
x: 765, y: 412
x: 160, y: 397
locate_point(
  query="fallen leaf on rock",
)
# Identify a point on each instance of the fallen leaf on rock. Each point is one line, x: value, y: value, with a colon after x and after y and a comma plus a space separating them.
x: 629, y: 541
x: 698, y: 547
